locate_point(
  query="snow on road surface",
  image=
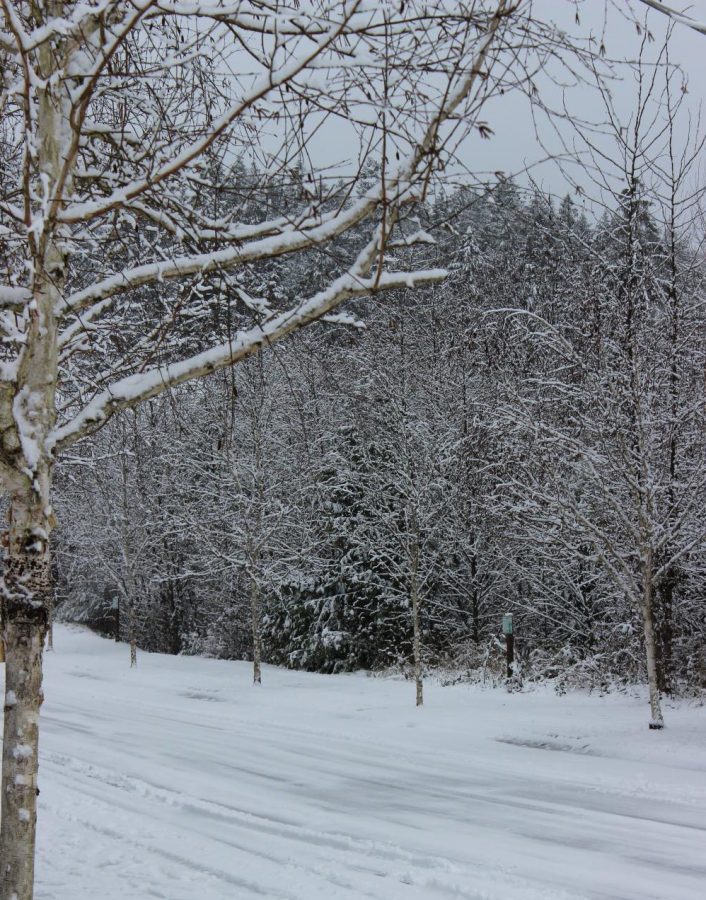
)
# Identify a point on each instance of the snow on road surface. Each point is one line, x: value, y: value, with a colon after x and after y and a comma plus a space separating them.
x: 180, y: 780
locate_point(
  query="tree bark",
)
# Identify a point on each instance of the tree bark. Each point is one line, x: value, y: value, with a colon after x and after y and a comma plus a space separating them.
x: 256, y: 636
x: 416, y: 618
x: 418, y: 674
x: 475, y: 600
x: 657, y: 720
x: 26, y: 596
x: 132, y: 629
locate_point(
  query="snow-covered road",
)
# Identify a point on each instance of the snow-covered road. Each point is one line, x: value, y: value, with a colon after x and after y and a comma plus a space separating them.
x: 180, y: 780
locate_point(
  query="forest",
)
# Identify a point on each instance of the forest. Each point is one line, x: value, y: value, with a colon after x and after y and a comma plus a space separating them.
x: 527, y: 437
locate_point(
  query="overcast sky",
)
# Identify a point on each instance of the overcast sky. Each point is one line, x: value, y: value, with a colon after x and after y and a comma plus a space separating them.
x: 513, y: 145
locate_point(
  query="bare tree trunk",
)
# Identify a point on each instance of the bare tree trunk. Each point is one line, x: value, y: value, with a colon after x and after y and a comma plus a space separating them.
x: 256, y: 636
x: 26, y: 590
x: 132, y: 632
x: 416, y: 617
x: 130, y: 582
x: 418, y: 675
x: 669, y: 581
x: 475, y: 599
x: 656, y: 721
x: 255, y: 535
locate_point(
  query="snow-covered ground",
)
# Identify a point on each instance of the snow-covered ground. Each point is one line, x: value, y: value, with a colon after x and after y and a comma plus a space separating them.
x: 181, y: 780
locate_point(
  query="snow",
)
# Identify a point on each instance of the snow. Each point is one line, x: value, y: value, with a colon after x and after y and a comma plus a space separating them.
x: 22, y: 751
x: 13, y: 297
x: 180, y: 780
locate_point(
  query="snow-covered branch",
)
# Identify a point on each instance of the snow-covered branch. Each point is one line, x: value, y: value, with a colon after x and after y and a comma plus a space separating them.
x: 143, y: 386
x: 676, y: 16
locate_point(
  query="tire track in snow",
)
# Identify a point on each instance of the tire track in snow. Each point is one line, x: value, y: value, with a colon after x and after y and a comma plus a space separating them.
x: 392, y: 867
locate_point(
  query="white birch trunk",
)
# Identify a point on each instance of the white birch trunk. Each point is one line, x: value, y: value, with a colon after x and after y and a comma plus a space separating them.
x: 656, y: 720
x: 27, y: 416
x: 418, y: 674
x: 26, y: 591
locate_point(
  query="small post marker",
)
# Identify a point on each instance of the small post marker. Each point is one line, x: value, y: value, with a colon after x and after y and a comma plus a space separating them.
x: 509, y: 642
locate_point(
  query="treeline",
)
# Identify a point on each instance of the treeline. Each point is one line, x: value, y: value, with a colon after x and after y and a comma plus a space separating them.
x: 526, y: 437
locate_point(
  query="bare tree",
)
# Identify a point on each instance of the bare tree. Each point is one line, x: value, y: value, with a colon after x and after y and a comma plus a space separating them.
x: 617, y: 454
x: 242, y: 498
